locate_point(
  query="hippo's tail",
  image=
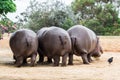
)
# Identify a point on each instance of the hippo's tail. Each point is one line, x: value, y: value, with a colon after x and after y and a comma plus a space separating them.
x: 28, y: 43
x: 62, y: 42
x: 74, y: 42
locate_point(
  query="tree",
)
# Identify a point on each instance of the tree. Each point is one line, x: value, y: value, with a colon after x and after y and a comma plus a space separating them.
x: 46, y: 14
x: 106, y: 16
x: 7, y: 6
x: 85, y: 8
x: 97, y: 14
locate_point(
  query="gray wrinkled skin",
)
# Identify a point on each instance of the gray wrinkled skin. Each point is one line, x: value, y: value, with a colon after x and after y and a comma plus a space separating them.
x: 84, y: 43
x: 53, y: 43
x: 24, y: 44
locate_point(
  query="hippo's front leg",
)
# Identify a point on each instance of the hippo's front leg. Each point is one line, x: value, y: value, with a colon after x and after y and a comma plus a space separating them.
x: 89, y: 58
x: 33, y: 58
x: 84, y: 58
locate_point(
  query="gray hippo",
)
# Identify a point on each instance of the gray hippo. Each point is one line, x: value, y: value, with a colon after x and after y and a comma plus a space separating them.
x: 24, y: 44
x: 85, y: 43
x: 41, y: 54
x: 53, y: 43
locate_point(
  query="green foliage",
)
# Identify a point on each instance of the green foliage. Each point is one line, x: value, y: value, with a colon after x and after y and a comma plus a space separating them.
x: 116, y: 32
x: 99, y: 15
x: 101, y: 10
x: 84, y: 8
x: 92, y: 23
x: 48, y: 14
x: 108, y: 15
x: 7, y: 6
x: 118, y: 21
x: 67, y: 24
x: 6, y: 22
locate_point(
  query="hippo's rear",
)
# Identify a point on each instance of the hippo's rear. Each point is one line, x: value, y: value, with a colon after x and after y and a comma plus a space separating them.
x: 24, y: 44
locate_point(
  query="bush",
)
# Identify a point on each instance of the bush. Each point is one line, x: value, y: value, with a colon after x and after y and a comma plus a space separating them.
x: 116, y: 32
x: 94, y: 25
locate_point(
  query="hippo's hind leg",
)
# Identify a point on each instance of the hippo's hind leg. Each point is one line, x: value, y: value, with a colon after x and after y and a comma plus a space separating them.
x: 84, y: 58
x: 19, y: 61
x: 49, y: 60
x: 41, y: 56
x: 70, y: 60
x: 64, y: 59
x: 56, y: 60
x: 33, y: 58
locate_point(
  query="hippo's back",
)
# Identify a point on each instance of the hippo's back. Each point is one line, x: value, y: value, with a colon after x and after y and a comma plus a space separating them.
x: 42, y: 31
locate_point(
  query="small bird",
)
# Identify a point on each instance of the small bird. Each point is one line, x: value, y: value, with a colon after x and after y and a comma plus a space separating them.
x: 110, y: 60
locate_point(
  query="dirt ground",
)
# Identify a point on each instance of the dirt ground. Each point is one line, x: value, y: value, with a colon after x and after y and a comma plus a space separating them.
x: 98, y: 70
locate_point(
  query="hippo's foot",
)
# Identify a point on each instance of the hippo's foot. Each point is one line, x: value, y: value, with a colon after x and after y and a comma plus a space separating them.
x: 70, y: 63
x: 84, y: 58
x: 39, y: 62
x: 56, y: 60
x: 85, y: 62
x: 90, y: 60
x: 24, y: 61
x: 17, y: 65
x: 14, y: 62
x: 33, y: 59
x: 63, y: 65
x: 55, y: 65
x: 19, y: 62
x: 49, y: 61
x: 32, y: 65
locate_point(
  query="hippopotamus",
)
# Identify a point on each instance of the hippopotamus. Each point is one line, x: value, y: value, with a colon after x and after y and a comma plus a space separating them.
x: 53, y: 43
x: 85, y: 43
x: 24, y: 44
x: 41, y: 56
